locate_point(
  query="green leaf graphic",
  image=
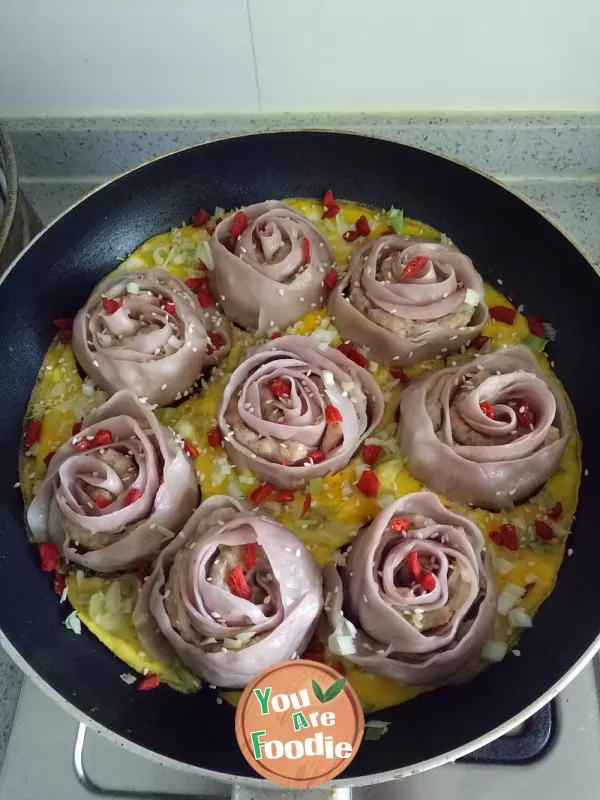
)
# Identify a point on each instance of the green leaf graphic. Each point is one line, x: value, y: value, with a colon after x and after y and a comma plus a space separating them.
x: 318, y: 692
x: 335, y: 688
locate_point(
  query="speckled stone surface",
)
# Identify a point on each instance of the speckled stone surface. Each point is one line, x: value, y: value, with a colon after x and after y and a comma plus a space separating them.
x: 554, y: 162
x: 10, y: 686
x: 516, y: 144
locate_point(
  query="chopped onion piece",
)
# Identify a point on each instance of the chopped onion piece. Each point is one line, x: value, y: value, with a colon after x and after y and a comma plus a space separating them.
x: 328, y: 378
x: 472, y: 298
x: 502, y: 565
x: 185, y: 429
x: 494, y: 651
x: 549, y: 331
x: 234, y: 490
x: 341, y: 645
x: 73, y: 623
x: 324, y: 335
x: 315, y: 486
x: 396, y: 219
x: 133, y: 288
x: 128, y: 678
x: 509, y: 597
x: 203, y: 252
x: 245, y: 636
x: 341, y: 224
x: 519, y: 618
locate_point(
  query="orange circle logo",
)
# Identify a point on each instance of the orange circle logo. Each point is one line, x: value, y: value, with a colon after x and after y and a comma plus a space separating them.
x: 299, y: 724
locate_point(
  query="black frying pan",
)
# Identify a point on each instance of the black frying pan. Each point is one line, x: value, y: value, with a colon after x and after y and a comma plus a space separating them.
x: 505, y: 238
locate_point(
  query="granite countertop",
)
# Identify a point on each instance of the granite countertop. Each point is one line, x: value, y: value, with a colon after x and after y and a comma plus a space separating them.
x: 553, y: 161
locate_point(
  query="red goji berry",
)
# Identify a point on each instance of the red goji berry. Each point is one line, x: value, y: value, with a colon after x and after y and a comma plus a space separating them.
x: 333, y: 415
x: 260, y: 494
x: 132, y: 496
x: 32, y: 433
x: 238, y: 584
x: 370, y: 453
x: 362, y: 226
x: 330, y: 279
x: 316, y: 456
x: 503, y: 314
x: 239, y: 225
x: 250, y: 554
x: 190, y: 449
x: 414, y: 266
x: 200, y: 218
x: 368, y: 483
x: 149, y: 682
x: 214, y: 437
x: 48, y: 556
x: 111, y: 305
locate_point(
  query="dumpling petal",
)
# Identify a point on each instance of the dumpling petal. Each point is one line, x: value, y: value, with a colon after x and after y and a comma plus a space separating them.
x: 416, y: 596
x: 225, y: 634
x: 116, y: 493
x: 489, y: 431
x: 273, y: 273
x: 144, y: 331
x: 278, y: 411
x: 408, y: 300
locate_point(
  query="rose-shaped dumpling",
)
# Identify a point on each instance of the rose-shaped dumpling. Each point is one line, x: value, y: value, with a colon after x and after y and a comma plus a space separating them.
x: 143, y: 331
x: 408, y: 300
x: 416, y: 600
x: 294, y: 410
x: 117, y: 492
x: 487, y: 432
x: 271, y: 271
x: 232, y: 594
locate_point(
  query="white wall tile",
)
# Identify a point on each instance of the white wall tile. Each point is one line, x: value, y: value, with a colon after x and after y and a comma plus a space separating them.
x: 125, y: 56
x: 427, y: 54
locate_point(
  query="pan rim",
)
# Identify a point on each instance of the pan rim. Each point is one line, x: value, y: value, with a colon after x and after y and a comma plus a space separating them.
x: 259, y: 783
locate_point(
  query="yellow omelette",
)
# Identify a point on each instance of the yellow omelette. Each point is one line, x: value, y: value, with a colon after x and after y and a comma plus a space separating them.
x: 60, y: 398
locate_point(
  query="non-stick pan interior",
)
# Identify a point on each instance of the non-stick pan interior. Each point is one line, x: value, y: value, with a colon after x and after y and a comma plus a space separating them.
x: 505, y: 238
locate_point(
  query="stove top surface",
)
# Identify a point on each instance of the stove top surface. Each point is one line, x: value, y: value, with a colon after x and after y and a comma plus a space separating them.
x: 556, y: 754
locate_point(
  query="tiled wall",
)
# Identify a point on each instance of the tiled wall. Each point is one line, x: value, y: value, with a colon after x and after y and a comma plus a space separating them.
x: 78, y: 57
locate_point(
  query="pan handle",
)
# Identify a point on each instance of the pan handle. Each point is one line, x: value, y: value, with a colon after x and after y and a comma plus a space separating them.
x: 126, y: 794
x: 237, y: 792
x: 276, y: 793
